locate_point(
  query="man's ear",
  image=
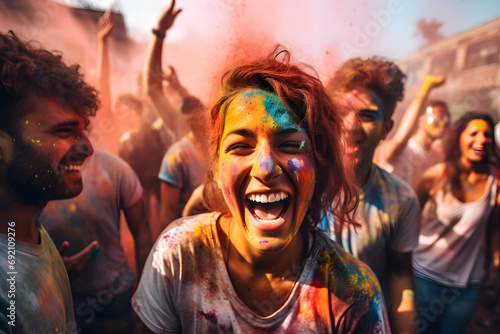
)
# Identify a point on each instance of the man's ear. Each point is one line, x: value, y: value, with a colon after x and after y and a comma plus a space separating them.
x: 387, y: 128
x: 5, y: 146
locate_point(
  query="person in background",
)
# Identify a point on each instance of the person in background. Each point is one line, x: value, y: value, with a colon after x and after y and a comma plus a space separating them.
x: 143, y: 148
x: 415, y: 144
x: 102, y: 284
x: 458, y: 197
x: 388, y: 214
x: 45, y: 107
x: 184, y: 166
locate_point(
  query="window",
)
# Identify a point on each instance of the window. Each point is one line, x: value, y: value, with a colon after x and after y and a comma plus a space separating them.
x: 443, y: 64
x: 483, y: 53
x: 414, y: 73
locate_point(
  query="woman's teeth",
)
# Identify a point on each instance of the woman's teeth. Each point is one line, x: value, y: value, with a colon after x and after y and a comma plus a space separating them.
x: 268, y: 198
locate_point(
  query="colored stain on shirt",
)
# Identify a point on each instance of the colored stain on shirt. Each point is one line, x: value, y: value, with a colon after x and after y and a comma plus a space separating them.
x: 210, y: 316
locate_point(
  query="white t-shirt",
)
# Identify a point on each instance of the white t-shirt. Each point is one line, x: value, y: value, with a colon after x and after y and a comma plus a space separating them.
x: 451, y: 247
x: 183, y: 167
x: 109, y: 185
x: 389, y: 218
x: 185, y: 287
x: 42, y: 299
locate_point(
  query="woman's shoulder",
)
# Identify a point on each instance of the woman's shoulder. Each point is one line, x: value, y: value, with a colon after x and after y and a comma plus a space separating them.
x: 188, y: 230
x: 346, y: 274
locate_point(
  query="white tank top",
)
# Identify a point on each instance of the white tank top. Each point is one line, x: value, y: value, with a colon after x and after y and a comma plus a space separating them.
x: 452, y: 243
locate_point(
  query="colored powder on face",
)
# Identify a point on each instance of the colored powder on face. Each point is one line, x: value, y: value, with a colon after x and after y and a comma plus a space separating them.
x: 294, y: 166
x: 272, y: 106
x: 50, y: 101
x: 263, y: 242
x: 266, y: 163
x: 279, y: 113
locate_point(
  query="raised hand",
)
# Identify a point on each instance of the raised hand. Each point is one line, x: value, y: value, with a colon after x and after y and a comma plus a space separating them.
x: 433, y: 81
x: 106, y: 24
x: 77, y: 263
x: 172, y: 78
x: 167, y: 18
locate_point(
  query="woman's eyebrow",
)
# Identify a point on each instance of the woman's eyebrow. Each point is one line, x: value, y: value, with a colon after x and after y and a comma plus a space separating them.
x: 288, y: 131
x: 239, y: 132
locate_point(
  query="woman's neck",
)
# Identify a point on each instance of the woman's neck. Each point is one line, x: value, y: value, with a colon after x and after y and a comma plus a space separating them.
x: 472, y: 167
x: 263, y: 281
x: 236, y: 249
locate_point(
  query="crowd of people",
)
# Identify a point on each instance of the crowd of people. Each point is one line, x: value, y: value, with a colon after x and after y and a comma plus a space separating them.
x: 289, y: 205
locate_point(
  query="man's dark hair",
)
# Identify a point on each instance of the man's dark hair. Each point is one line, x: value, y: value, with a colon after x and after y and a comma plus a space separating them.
x: 376, y: 73
x: 27, y: 71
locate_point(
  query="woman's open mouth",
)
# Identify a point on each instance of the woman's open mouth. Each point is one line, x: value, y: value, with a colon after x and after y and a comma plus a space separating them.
x: 269, y: 207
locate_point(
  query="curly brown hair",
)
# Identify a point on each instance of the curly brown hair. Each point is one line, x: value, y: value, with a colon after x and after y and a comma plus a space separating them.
x: 307, y: 99
x: 376, y: 73
x: 27, y: 70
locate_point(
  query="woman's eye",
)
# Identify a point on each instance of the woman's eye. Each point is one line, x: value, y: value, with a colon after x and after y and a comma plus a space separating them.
x: 293, y: 146
x: 237, y: 148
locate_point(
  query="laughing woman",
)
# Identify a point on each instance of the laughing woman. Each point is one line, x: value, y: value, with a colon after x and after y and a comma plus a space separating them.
x: 458, y: 198
x: 257, y: 264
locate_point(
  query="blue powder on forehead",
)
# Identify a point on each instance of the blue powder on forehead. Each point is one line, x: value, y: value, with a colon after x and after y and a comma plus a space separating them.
x: 279, y: 113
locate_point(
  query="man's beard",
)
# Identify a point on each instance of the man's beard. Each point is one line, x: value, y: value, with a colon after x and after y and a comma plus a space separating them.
x: 32, y: 178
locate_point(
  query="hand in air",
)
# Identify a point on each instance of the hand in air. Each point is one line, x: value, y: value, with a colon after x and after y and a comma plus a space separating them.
x: 167, y: 18
x: 106, y: 24
x: 433, y: 81
x: 172, y: 78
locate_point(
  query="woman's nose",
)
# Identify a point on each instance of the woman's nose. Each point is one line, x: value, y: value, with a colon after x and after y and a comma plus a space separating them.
x: 265, y: 167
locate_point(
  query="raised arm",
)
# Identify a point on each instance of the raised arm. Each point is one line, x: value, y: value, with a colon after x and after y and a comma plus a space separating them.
x: 103, y: 71
x: 153, y: 78
x: 409, y: 121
